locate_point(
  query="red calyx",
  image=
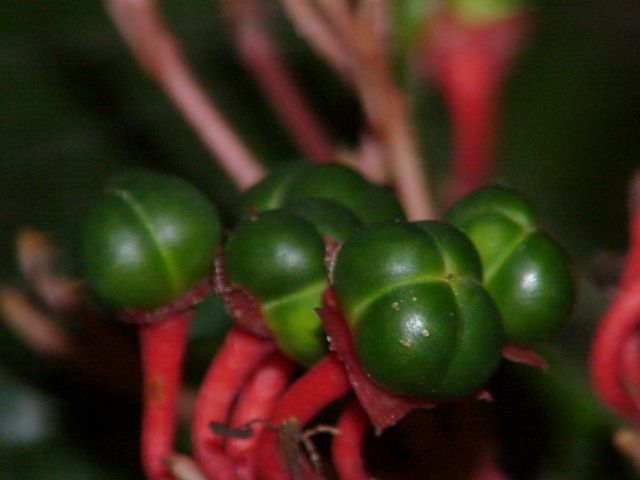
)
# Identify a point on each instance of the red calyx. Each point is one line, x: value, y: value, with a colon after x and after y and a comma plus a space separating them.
x: 243, y: 307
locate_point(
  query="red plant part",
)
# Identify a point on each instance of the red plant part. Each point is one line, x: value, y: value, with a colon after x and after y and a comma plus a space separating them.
x: 615, y: 352
x: 239, y: 355
x: 162, y: 347
x: 325, y: 382
x: 619, y: 326
x: 469, y: 62
x: 257, y: 401
x: 524, y: 356
x: 347, y: 446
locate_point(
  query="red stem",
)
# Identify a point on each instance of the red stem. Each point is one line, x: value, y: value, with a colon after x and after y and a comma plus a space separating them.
x: 325, y: 382
x: 618, y: 325
x: 631, y: 272
x: 239, y: 355
x: 261, y: 58
x: 162, y: 347
x: 257, y: 401
x: 347, y: 445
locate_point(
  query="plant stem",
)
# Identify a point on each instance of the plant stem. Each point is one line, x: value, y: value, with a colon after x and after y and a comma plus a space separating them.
x: 347, y: 446
x: 325, y: 382
x: 239, y: 355
x: 157, y: 51
x: 162, y: 347
x: 260, y: 55
x: 618, y: 325
x: 256, y: 401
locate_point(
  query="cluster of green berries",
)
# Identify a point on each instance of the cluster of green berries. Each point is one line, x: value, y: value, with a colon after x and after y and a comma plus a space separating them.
x: 430, y: 305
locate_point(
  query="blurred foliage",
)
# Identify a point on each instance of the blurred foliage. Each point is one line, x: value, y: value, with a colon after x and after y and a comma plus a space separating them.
x: 75, y: 107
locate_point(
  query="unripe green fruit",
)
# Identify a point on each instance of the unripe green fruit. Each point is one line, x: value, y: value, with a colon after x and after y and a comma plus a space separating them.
x: 148, y: 240
x: 337, y: 183
x: 526, y: 272
x: 270, y: 193
x: 330, y: 218
x: 279, y: 258
x: 421, y: 321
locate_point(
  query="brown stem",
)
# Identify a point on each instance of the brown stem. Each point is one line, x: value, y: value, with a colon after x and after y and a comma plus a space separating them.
x: 157, y: 51
x: 34, y: 327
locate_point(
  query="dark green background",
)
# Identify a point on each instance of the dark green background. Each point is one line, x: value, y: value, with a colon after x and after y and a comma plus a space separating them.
x: 74, y: 107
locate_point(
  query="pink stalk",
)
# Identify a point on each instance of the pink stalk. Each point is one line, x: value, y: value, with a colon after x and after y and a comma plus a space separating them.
x: 261, y: 57
x: 256, y: 402
x: 157, y: 51
x: 347, y: 446
x: 162, y: 347
x: 239, y: 355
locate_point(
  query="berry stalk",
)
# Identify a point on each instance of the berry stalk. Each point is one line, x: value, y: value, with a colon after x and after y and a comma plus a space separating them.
x: 239, y: 355
x: 162, y: 347
x: 325, y: 382
x: 347, y: 446
x: 256, y: 401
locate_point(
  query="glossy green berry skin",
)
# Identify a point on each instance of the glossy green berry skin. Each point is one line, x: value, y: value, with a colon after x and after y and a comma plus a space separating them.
x: 288, y: 186
x: 271, y: 192
x: 526, y: 272
x: 279, y: 258
x: 421, y: 321
x: 148, y: 240
x: 328, y: 217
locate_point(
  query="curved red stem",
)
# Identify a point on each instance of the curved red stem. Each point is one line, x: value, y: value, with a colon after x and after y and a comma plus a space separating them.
x: 325, y: 382
x: 619, y: 324
x: 257, y: 401
x: 347, y: 445
x: 162, y: 347
x: 631, y: 272
x: 239, y: 355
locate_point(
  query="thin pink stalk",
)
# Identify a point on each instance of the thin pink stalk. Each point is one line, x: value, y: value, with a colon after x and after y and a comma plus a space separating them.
x: 386, y: 108
x: 315, y: 29
x: 260, y: 55
x: 157, y: 51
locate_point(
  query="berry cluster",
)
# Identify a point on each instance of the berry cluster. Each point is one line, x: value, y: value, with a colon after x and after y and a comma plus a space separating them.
x: 415, y: 313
